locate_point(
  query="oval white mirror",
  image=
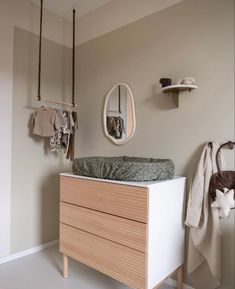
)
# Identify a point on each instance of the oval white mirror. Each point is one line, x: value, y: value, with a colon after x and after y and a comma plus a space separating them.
x: 119, y: 114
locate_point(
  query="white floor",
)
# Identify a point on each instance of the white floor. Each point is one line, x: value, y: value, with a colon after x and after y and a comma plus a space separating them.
x: 43, y: 271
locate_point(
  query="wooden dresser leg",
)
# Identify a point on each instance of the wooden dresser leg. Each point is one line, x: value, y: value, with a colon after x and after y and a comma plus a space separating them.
x: 180, y: 278
x: 66, y: 267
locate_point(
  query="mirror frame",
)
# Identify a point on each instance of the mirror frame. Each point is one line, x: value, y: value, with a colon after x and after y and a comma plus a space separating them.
x: 113, y: 140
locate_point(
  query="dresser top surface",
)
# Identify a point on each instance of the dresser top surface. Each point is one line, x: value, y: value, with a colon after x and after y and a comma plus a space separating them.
x: 136, y: 184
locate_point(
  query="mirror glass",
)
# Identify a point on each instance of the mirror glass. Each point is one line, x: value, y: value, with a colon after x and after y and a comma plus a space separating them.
x: 119, y: 114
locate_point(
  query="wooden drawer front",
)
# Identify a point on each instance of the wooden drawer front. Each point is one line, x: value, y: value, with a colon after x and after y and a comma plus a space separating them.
x: 124, y: 231
x: 120, y: 262
x: 121, y: 200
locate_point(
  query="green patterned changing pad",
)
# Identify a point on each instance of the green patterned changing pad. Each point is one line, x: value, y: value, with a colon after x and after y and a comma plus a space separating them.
x: 124, y: 168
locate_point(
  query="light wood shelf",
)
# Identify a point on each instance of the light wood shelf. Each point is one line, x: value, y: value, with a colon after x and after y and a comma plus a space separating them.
x: 175, y: 90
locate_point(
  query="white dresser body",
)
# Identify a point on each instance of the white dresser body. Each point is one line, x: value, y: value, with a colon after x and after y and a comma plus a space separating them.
x: 133, y: 232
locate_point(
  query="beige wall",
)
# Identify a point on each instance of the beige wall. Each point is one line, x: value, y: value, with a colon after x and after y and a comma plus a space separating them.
x: 35, y: 170
x: 192, y: 38
x: 23, y: 14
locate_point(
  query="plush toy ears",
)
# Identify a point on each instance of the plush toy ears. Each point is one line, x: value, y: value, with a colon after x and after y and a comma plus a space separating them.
x: 224, y: 201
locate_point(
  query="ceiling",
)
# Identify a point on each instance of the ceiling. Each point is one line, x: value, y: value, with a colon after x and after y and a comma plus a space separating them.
x: 63, y: 8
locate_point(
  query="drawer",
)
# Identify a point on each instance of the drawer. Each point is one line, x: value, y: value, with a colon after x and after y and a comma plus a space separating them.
x: 124, y: 231
x: 117, y: 261
x: 117, y: 199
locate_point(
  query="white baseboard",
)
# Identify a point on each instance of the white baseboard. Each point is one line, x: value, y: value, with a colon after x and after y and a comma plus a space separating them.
x: 173, y: 283
x: 28, y: 252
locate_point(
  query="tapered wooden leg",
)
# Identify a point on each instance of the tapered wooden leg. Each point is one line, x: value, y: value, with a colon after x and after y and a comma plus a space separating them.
x: 66, y: 267
x: 180, y: 278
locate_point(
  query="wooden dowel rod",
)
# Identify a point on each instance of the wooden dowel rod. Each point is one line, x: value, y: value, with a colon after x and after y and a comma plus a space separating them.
x: 57, y: 102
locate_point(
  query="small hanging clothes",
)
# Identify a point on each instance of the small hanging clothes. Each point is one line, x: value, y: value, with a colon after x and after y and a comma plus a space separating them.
x: 44, y: 122
x: 120, y: 127
x: 74, y: 127
x: 115, y: 126
x: 111, y: 125
x: 65, y: 131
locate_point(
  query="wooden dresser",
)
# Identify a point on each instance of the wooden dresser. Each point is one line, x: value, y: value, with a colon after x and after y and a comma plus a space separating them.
x: 133, y: 232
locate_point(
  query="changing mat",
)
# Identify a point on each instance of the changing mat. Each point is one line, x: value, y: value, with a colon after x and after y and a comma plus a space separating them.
x: 124, y: 168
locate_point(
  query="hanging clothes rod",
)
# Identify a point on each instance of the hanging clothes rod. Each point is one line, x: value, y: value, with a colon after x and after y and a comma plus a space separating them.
x: 58, y: 102
x: 39, y: 98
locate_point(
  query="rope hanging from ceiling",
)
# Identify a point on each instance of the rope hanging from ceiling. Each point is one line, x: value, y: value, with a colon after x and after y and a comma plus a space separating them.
x: 39, y: 98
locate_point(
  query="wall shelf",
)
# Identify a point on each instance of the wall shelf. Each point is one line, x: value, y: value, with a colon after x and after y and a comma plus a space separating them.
x: 176, y: 89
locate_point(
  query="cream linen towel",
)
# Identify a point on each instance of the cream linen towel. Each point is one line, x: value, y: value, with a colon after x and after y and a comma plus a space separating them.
x: 204, y: 250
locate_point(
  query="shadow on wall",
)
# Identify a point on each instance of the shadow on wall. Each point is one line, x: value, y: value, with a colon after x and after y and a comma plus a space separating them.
x: 49, y: 192
x: 32, y: 162
x: 163, y: 101
x: 49, y: 207
x: 159, y: 100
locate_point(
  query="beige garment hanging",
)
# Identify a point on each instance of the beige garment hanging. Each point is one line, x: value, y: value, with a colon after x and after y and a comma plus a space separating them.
x: 204, y: 250
x: 45, y: 121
